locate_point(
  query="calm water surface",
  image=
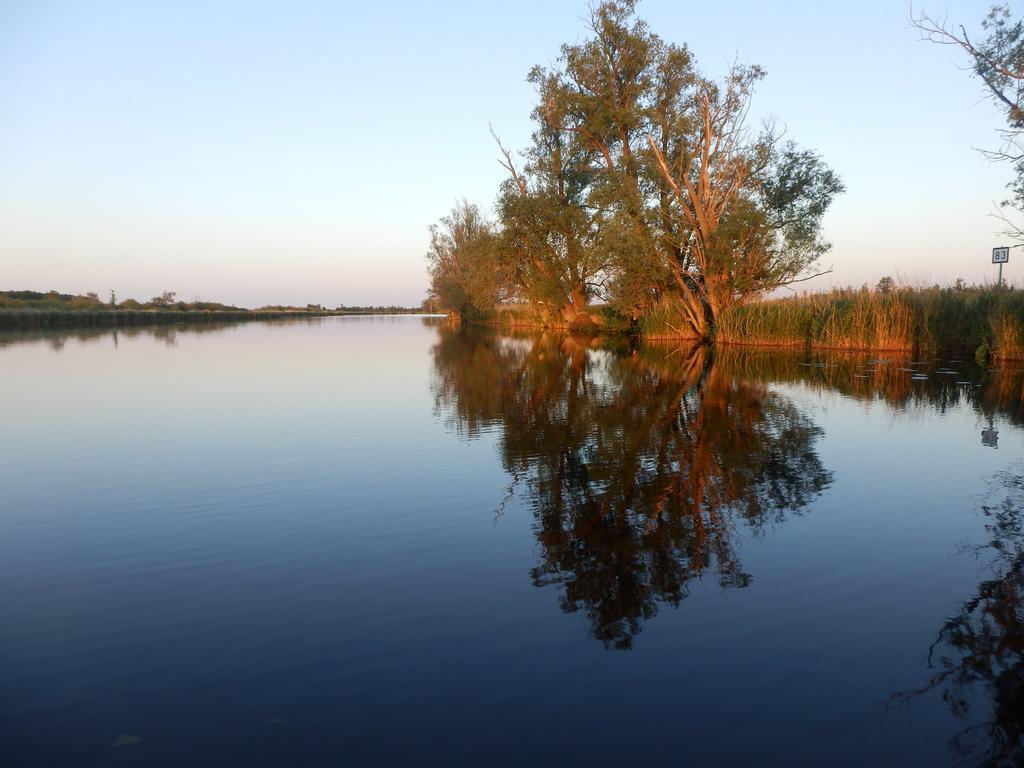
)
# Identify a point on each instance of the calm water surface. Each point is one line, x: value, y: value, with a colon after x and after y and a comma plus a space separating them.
x: 379, y: 541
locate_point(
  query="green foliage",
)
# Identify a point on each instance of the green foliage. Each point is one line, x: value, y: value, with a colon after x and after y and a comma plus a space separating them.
x: 165, y: 299
x: 549, y: 233
x: 466, y: 273
x: 982, y: 353
x: 642, y: 185
x: 55, y: 301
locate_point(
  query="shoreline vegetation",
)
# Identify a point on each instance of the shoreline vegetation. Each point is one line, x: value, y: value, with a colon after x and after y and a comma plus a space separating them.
x: 644, y: 187
x: 646, y: 204
x: 983, y: 322
x: 24, y: 310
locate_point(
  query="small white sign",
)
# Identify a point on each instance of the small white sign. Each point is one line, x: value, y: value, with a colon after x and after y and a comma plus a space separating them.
x: 1000, y: 255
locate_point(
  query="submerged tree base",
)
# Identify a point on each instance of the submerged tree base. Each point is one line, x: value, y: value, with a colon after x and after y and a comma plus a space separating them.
x: 981, y: 322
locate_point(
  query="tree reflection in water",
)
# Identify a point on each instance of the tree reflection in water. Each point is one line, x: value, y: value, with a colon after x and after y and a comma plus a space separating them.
x: 640, y: 466
x: 978, y: 656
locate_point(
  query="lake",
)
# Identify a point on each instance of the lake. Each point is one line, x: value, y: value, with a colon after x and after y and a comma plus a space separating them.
x: 385, y: 541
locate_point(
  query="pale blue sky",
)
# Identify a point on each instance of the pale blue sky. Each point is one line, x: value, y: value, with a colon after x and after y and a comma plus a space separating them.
x: 297, y: 152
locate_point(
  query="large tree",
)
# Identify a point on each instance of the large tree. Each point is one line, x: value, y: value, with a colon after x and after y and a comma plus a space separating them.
x: 751, y: 207
x: 643, y: 184
x: 618, y: 86
x: 694, y: 208
x: 550, y: 229
x: 466, y: 273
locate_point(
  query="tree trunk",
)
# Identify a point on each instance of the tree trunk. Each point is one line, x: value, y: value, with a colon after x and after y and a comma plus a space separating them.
x: 575, y: 312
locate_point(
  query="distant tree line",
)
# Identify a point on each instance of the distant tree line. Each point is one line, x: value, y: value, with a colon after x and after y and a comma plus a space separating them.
x: 55, y: 301
x: 167, y: 301
x: 643, y: 186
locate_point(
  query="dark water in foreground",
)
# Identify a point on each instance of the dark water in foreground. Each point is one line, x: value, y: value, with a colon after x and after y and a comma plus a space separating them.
x: 375, y: 541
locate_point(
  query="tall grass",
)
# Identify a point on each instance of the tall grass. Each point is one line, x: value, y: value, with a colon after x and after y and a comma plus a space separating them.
x: 987, y: 320
x: 665, y: 320
x: 977, y: 321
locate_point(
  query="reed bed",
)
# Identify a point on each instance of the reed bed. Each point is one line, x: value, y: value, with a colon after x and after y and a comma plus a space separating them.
x: 982, y: 321
x: 663, y: 321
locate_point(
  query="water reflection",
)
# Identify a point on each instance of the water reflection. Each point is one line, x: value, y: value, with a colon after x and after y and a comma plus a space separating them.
x: 937, y: 384
x: 265, y: 523
x: 978, y: 657
x: 58, y: 339
x: 166, y: 333
x: 640, y: 467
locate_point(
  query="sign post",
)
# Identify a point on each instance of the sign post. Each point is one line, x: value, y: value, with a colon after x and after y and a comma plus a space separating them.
x: 1000, y: 256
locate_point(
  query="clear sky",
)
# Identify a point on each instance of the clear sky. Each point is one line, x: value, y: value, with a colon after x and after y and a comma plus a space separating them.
x: 269, y: 152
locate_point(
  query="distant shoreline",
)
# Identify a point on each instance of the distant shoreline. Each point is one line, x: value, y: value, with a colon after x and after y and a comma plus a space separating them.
x: 34, y: 319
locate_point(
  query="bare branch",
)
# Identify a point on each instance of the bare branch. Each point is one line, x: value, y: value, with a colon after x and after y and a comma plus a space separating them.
x: 508, y: 164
